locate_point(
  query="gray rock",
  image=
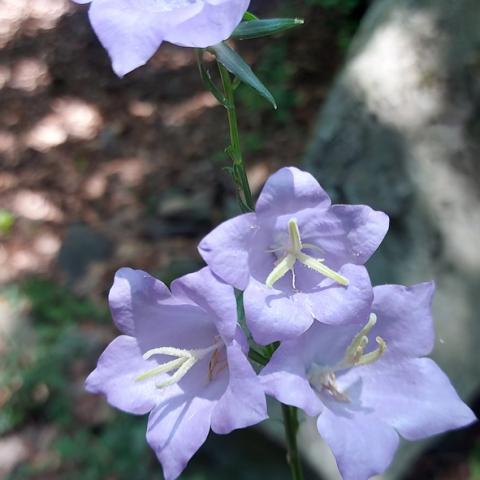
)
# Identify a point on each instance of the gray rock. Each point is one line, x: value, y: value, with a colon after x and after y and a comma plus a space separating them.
x: 400, y: 132
x: 81, y: 246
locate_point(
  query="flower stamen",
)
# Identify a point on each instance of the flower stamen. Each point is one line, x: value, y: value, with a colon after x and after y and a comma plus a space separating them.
x: 185, y: 360
x: 324, y: 378
x: 354, y: 354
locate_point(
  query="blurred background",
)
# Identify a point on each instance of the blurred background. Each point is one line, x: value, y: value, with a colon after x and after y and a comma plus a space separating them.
x: 98, y: 172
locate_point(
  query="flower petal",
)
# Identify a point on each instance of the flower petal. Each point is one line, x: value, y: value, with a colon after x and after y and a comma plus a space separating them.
x: 273, y: 315
x: 212, y: 295
x: 226, y: 248
x: 285, y: 378
x: 214, y: 23
x: 243, y: 403
x: 127, y: 284
x: 404, y: 318
x: 362, y: 444
x: 345, y: 233
x: 130, y: 34
x: 142, y: 306
x: 414, y: 396
x: 177, y: 429
x: 118, y: 367
x: 335, y: 304
x: 290, y: 190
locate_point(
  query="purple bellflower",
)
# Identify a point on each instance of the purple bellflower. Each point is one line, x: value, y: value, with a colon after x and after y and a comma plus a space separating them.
x: 273, y: 255
x: 365, y: 396
x: 182, y: 358
x: 132, y: 30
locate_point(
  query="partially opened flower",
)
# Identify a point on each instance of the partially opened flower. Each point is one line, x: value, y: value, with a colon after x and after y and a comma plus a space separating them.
x: 297, y: 257
x: 182, y: 359
x: 132, y: 30
x: 366, y: 395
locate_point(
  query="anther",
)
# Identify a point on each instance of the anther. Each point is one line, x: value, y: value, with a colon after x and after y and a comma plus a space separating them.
x: 354, y: 354
x: 181, y: 365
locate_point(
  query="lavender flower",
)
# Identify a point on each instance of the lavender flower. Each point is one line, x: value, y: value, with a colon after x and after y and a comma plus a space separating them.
x: 366, y: 396
x: 272, y: 255
x: 182, y: 359
x: 132, y: 30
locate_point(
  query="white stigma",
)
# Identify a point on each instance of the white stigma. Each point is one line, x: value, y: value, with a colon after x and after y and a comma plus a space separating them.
x: 184, y: 361
x: 294, y: 253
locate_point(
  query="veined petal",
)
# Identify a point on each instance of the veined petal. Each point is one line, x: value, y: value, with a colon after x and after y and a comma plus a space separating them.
x: 129, y: 283
x: 414, y: 396
x: 226, y: 249
x: 335, y: 304
x: 285, y: 378
x: 177, y: 429
x: 212, y: 295
x: 129, y: 33
x: 363, y: 445
x: 346, y: 233
x: 116, y: 375
x: 290, y: 190
x: 405, y: 318
x: 274, y: 315
x: 214, y: 23
x: 144, y: 307
x: 243, y: 402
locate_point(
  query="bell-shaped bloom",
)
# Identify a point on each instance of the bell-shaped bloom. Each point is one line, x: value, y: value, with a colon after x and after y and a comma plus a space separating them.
x: 182, y: 358
x: 371, y: 381
x: 132, y: 30
x: 297, y: 257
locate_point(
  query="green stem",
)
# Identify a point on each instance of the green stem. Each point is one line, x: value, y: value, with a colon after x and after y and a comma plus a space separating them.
x: 239, y: 172
x: 290, y: 420
x: 246, y: 204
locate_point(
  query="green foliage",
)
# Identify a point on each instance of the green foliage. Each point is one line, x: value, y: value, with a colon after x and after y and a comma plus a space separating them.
x: 55, y: 306
x: 475, y: 463
x: 6, y: 221
x: 116, y: 451
x: 277, y: 71
x: 37, y: 370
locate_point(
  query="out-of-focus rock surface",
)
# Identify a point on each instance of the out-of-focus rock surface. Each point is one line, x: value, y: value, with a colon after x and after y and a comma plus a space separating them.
x: 400, y: 131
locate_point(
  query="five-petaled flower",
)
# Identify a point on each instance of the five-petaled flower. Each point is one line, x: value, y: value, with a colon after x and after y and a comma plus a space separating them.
x: 182, y: 358
x: 297, y: 257
x: 365, y: 395
x: 132, y: 30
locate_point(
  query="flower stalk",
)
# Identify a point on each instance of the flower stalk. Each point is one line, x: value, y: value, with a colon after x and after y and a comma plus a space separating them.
x: 290, y: 422
x: 246, y: 204
x: 234, y: 150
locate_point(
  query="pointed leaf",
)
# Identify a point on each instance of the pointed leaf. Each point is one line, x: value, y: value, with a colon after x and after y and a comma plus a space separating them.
x: 235, y: 64
x: 264, y: 28
x: 248, y: 16
x: 207, y: 80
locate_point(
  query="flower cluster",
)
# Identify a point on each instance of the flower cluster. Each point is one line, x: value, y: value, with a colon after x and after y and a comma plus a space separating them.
x: 350, y: 354
x: 133, y: 30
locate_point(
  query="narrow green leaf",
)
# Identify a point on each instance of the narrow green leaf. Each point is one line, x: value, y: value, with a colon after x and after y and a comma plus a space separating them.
x: 235, y: 64
x: 208, y: 81
x: 248, y: 17
x: 264, y: 28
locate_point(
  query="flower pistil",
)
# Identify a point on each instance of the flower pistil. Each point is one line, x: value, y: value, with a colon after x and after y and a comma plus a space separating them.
x: 294, y: 253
